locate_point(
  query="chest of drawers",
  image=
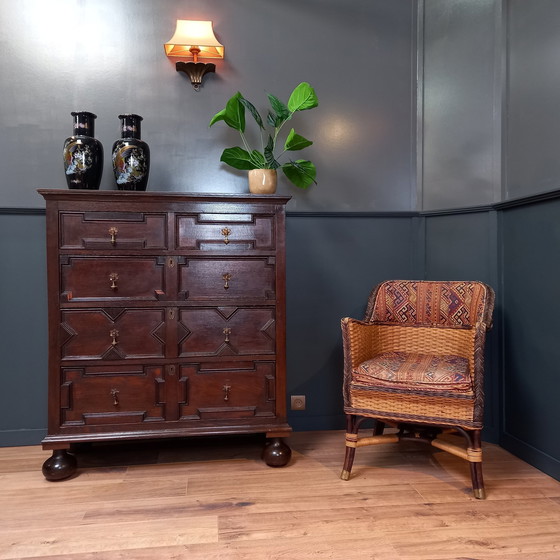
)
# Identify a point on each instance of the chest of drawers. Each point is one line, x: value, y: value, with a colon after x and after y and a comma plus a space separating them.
x: 166, y: 319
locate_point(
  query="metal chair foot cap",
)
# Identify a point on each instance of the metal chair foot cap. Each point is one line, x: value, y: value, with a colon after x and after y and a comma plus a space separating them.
x: 345, y: 475
x: 479, y: 493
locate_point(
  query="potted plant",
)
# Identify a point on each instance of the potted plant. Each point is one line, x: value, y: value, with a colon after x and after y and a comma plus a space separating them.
x: 262, y: 165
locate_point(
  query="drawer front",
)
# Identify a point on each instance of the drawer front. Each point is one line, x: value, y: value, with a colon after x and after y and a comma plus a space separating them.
x: 112, y: 395
x: 113, y: 230
x: 112, y: 278
x: 228, y: 390
x: 112, y: 334
x: 227, y: 279
x: 226, y: 331
x: 225, y: 232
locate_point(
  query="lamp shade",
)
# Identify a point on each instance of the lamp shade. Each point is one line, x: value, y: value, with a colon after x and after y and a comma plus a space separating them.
x: 191, y: 34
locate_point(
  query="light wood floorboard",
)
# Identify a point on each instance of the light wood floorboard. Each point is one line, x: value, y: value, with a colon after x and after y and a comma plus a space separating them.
x: 213, y: 498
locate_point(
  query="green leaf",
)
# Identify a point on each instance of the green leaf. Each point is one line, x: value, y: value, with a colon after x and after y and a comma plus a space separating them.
x: 258, y: 159
x: 253, y: 111
x: 269, y: 154
x: 296, y: 142
x: 303, y: 97
x: 218, y: 117
x: 238, y: 158
x: 234, y: 115
x: 282, y: 112
x: 301, y: 173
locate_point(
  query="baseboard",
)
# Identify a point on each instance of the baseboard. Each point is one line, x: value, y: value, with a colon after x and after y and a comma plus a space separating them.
x: 531, y: 455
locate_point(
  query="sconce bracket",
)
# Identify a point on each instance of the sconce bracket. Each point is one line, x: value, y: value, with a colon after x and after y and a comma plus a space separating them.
x: 195, y: 71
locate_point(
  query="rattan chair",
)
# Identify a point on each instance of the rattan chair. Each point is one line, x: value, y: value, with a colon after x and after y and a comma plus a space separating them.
x: 416, y: 363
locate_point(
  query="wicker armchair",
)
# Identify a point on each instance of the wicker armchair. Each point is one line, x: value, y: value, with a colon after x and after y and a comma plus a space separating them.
x: 416, y: 363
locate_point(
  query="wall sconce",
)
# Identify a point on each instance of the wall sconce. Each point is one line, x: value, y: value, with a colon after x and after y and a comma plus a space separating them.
x: 194, y: 39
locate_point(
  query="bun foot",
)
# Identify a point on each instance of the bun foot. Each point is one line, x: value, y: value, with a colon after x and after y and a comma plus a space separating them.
x: 60, y: 465
x: 276, y: 453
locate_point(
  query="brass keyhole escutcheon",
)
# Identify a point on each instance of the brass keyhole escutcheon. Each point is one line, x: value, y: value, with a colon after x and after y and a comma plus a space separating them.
x: 115, y: 395
x: 227, y: 389
x: 113, y: 277
x: 226, y: 278
x: 227, y: 332
x: 113, y: 233
x: 226, y: 232
x: 114, y: 334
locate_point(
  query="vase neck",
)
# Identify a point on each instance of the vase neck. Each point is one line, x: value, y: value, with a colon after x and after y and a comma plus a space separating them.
x: 130, y: 126
x: 84, y: 123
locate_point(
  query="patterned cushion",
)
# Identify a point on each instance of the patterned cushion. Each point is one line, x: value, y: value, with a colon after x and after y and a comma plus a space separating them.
x: 452, y: 304
x: 402, y: 370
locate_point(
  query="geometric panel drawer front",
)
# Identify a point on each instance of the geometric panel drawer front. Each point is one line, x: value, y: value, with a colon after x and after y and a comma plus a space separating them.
x: 227, y: 331
x: 89, y: 396
x: 238, y: 392
x: 227, y: 279
x: 225, y: 232
x: 113, y: 230
x: 95, y: 334
x: 112, y: 278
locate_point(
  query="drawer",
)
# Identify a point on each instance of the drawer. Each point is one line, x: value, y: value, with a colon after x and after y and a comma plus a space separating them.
x: 225, y: 232
x: 226, y: 331
x: 227, y: 279
x: 113, y: 230
x: 112, y: 334
x: 228, y: 390
x: 112, y: 278
x: 112, y: 395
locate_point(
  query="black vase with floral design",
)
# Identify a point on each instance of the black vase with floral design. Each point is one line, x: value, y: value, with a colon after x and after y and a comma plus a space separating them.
x: 131, y: 156
x: 83, y: 154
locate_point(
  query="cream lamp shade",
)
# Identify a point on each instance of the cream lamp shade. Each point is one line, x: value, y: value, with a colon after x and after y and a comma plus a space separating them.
x: 194, y: 39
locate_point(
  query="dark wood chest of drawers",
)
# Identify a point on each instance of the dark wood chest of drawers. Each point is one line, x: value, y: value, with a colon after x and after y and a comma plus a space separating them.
x: 166, y: 319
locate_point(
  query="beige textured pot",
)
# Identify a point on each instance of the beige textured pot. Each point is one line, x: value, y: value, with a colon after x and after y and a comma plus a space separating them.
x: 262, y: 181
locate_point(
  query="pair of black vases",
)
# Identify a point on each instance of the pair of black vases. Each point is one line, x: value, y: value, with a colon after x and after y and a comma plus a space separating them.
x: 83, y: 155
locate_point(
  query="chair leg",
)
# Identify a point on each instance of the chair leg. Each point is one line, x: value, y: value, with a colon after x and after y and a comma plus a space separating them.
x: 352, y: 426
x: 378, y: 428
x: 475, y: 462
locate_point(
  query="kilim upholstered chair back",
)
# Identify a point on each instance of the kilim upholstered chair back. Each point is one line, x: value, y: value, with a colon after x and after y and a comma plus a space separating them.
x: 416, y: 362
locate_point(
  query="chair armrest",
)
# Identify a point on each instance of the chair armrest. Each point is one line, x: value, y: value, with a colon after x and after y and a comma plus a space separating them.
x: 358, y: 340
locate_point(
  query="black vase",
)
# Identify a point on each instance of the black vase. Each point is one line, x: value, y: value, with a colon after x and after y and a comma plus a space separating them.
x: 131, y: 156
x: 83, y: 154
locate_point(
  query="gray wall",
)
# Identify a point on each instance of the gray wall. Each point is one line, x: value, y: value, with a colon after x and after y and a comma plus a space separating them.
x: 460, y: 92
x: 107, y: 56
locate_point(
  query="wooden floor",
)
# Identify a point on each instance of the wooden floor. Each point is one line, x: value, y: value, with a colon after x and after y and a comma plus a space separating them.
x: 210, y: 499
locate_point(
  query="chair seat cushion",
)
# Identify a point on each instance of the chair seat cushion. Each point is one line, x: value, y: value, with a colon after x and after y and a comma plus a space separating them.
x: 403, y: 370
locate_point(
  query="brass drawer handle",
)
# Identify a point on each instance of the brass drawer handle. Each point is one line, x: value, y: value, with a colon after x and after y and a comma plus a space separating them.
x: 226, y: 278
x: 227, y: 332
x: 226, y: 233
x: 115, y: 395
x: 113, y: 233
x: 114, y: 335
x: 113, y: 277
x: 227, y: 389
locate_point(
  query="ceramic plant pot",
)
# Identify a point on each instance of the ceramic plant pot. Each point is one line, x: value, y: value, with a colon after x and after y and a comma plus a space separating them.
x: 262, y: 181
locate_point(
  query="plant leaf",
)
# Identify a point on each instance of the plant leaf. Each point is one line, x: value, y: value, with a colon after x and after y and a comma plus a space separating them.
x: 238, y: 158
x: 303, y: 97
x: 282, y: 112
x: 248, y: 105
x: 269, y: 154
x: 301, y: 173
x: 219, y: 116
x: 296, y: 142
x: 258, y: 159
x: 234, y: 115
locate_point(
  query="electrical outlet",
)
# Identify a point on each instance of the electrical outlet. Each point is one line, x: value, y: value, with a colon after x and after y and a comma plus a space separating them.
x: 297, y: 402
